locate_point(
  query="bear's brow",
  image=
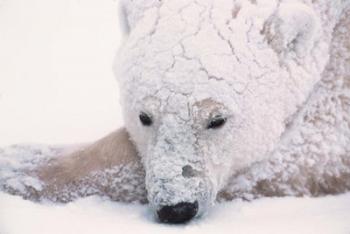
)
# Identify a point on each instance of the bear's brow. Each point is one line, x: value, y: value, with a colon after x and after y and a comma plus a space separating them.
x: 207, y: 108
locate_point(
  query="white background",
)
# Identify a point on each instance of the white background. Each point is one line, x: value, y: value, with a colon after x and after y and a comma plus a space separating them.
x: 56, y: 79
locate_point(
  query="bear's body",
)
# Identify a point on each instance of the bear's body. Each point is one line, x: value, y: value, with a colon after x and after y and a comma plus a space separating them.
x: 276, y: 72
x: 313, y: 157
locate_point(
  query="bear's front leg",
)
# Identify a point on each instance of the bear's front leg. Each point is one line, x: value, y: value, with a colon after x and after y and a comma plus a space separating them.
x: 109, y: 167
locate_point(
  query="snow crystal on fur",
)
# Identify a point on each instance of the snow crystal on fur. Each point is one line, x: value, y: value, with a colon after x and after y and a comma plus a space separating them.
x: 17, y: 161
x: 256, y: 63
x: 313, y: 157
x: 19, y: 176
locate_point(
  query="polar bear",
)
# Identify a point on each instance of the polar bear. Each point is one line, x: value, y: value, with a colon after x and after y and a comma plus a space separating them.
x: 221, y: 99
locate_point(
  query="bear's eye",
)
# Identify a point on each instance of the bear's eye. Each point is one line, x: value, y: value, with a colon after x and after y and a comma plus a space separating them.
x: 216, y: 122
x: 145, y: 119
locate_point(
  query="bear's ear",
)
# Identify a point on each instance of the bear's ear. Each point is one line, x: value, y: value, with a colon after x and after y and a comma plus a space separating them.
x: 292, y: 29
x: 131, y: 11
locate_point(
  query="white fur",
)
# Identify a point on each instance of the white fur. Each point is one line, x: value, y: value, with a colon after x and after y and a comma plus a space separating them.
x: 257, y: 68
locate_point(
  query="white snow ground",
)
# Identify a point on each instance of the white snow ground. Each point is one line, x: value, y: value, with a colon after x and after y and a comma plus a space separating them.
x: 57, y: 86
x: 94, y: 215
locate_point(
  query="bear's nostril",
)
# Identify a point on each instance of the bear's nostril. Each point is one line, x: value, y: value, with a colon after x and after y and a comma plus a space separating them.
x: 179, y: 213
x: 188, y: 172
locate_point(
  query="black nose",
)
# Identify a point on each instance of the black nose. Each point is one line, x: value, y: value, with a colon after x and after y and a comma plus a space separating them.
x: 179, y: 213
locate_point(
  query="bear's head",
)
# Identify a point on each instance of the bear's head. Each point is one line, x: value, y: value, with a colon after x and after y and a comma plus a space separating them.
x: 208, y: 88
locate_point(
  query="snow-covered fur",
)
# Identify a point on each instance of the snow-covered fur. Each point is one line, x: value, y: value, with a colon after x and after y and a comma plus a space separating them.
x: 277, y: 72
x: 262, y: 65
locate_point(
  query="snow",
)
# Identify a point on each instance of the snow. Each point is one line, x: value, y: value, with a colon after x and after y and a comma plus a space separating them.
x: 96, y: 215
x: 57, y: 86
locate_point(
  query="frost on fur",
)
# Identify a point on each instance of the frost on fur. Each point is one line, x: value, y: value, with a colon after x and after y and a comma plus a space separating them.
x: 261, y: 65
x: 109, y: 167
